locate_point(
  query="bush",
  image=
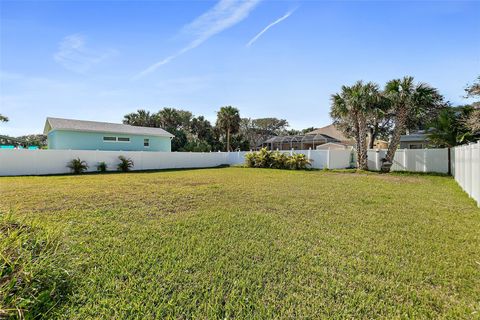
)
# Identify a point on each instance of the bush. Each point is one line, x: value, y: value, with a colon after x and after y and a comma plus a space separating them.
x: 250, y: 159
x: 102, y: 166
x: 125, y: 164
x: 279, y: 160
x: 263, y: 158
x: 298, y: 161
x: 77, y: 166
x: 275, y: 159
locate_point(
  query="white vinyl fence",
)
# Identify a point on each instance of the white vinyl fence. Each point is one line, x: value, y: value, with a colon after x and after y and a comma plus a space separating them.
x: 466, y: 169
x: 330, y: 159
x: 414, y: 160
x: 42, y: 162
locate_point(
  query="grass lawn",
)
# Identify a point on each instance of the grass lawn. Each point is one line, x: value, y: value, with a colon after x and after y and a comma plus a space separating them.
x: 240, y: 243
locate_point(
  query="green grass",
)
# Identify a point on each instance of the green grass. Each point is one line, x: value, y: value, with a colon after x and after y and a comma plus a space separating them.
x: 255, y: 243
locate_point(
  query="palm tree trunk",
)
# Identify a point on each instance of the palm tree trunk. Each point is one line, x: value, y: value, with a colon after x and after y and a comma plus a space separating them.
x: 372, y: 135
x: 401, y: 120
x: 357, y: 140
x: 362, y: 126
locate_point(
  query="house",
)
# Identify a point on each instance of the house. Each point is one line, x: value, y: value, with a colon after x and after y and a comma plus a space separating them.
x: 310, y: 140
x: 332, y: 132
x: 333, y: 146
x: 416, y: 140
x: 92, y: 135
x: 380, y: 144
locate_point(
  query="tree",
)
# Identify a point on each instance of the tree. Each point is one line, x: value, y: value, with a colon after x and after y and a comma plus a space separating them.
x: 3, y: 118
x: 257, y: 131
x: 473, y: 121
x: 407, y: 100
x: 351, y: 108
x: 201, y: 128
x: 379, y: 120
x: 447, y: 131
x: 140, y: 118
x: 39, y: 140
x: 228, y: 120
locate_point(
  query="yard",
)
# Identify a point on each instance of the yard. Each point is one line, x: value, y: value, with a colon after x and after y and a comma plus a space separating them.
x: 240, y: 243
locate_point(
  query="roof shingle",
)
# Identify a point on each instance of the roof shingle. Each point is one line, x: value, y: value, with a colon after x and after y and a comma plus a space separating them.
x: 94, y: 126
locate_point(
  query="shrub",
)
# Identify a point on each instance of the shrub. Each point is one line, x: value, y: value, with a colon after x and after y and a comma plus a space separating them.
x: 250, y: 159
x: 125, y: 164
x: 77, y: 166
x: 275, y: 159
x: 102, y: 166
x: 279, y: 160
x: 298, y: 161
x: 263, y: 158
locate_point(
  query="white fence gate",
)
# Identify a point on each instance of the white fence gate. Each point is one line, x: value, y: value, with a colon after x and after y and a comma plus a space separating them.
x: 466, y: 169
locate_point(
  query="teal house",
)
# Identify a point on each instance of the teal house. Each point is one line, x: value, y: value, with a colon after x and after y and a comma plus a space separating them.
x: 68, y: 134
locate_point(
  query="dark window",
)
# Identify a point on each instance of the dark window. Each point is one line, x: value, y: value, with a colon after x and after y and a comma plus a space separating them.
x: 109, y: 138
x: 122, y: 139
x: 416, y: 146
x: 146, y: 142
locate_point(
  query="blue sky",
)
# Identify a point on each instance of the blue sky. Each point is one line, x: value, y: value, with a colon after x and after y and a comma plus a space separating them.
x: 100, y: 60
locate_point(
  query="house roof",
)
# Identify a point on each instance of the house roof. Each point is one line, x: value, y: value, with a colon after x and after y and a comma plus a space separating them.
x: 95, y: 126
x: 301, y: 138
x: 413, y: 137
x: 329, y: 144
x: 330, y: 131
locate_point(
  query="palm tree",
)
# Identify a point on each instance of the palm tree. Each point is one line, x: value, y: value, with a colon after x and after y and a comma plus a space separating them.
x: 3, y: 118
x: 140, y: 118
x: 407, y: 99
x: 228, y: 120
x: 352, y: 107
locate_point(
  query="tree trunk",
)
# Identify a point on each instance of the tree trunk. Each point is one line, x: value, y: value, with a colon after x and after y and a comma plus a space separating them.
x: 357, y: 140
x: 400, y: 122
x: 372, y: 135
x: 228, y: 139
x: 362, y: 136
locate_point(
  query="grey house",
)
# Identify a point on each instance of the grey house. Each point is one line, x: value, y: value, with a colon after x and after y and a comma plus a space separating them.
x: 416, y: 140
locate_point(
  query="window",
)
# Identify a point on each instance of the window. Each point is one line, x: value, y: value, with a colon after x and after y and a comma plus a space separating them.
x: 415, y: 146
x: 146, y: 143
x: 116, y: 139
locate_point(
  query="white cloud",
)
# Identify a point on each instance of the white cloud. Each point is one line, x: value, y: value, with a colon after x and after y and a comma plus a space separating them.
x: 74, y: 55
x: 288, y: 14
x: 225, y: 14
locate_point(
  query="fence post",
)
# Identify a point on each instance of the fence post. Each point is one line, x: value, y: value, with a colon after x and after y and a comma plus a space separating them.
x: 424, y: 160
x: 328, y: 158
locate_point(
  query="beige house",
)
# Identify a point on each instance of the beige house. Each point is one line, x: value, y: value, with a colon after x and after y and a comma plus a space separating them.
x: 310, y: 140
x: 333, y: 146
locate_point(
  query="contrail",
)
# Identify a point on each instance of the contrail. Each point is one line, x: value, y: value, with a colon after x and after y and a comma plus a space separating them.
x: 225, y: 14
x: 268, y: 27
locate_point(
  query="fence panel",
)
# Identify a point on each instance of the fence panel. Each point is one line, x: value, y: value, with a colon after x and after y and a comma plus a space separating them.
x: 467, y: 169
x: 41, y: 162
x: 415, y: 160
